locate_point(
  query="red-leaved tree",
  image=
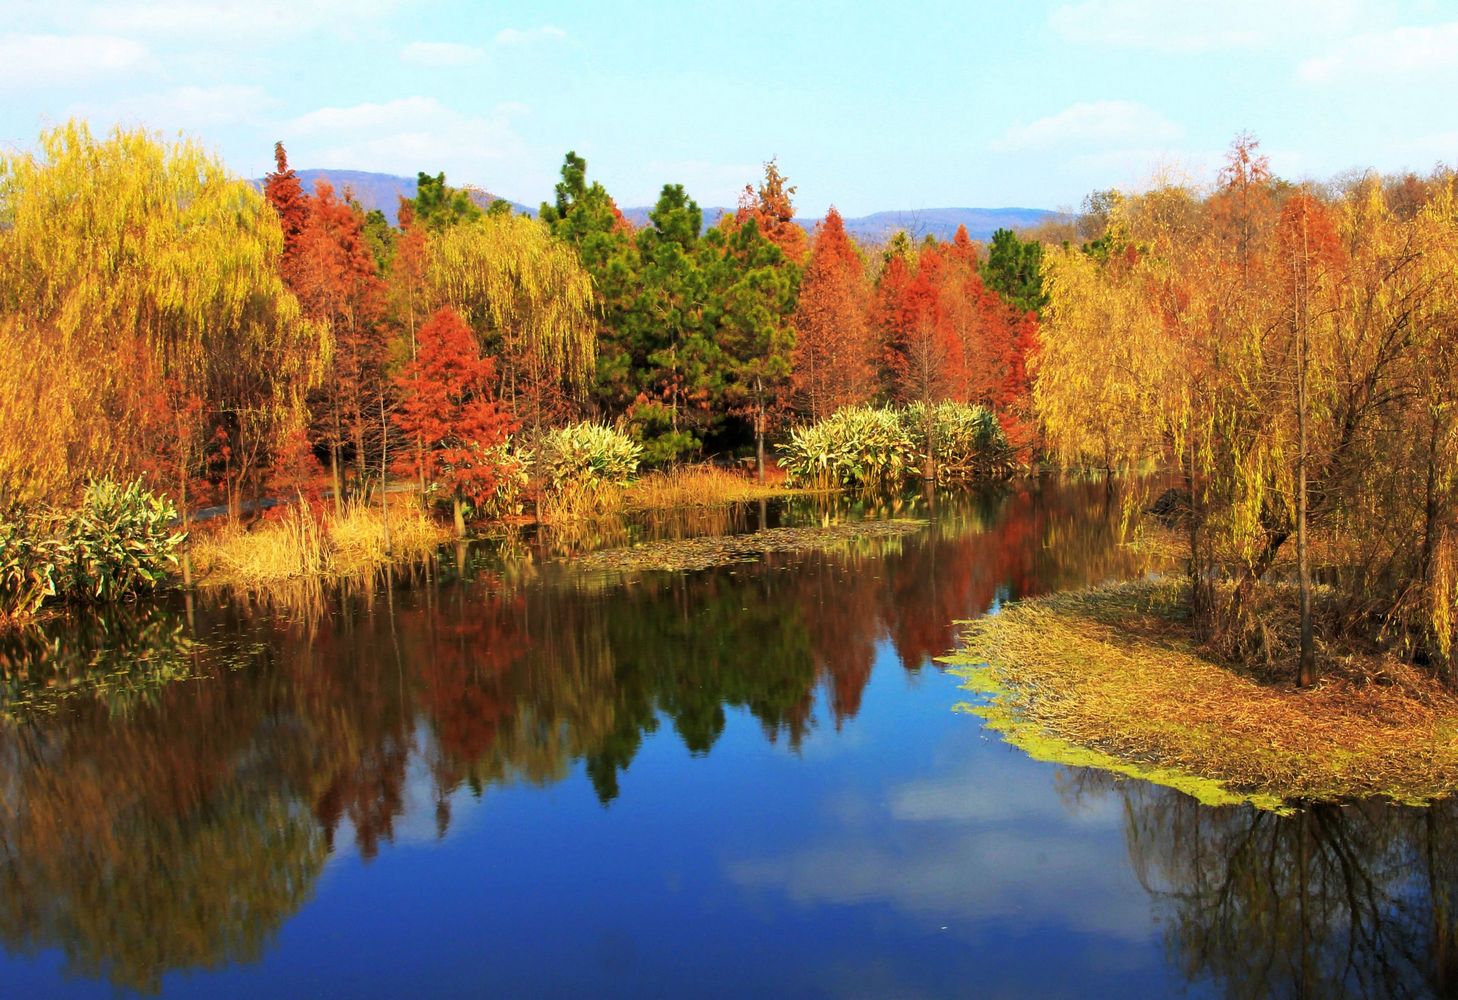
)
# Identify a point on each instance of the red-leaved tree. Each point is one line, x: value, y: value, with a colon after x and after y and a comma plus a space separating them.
x: 449, y: 411
x: 834, y: 362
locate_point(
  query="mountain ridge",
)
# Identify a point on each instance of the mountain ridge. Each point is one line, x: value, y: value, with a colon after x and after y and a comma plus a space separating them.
x: 382, y: 191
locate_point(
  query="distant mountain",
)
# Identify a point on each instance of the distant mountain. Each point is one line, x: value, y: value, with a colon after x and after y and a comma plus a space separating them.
x: 942, y: 223
x: 639, y: 216
x: 383, y: 191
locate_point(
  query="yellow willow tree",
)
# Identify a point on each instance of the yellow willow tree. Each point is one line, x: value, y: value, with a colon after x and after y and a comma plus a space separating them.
x: 1397, y: 360
x: 1101, y: 362
x: 1301, y: 372
x: 530, y: 301
x: 137, y: 276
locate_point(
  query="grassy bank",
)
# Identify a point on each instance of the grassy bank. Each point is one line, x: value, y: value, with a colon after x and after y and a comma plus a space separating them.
x: 1113, y: 677
x: 300, y: 545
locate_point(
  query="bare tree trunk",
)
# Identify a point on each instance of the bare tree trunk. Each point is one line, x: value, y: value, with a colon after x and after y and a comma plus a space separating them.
x: 759, y: 431
x: 928, y: 462
x: 336, y: 477
x: 384, y: 482
x: 1306, y: 673
x: 458, y: 512
x: 186, y: 520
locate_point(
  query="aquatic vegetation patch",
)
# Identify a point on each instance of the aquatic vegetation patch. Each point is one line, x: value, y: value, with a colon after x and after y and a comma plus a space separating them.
x: 1114, y: 678
x: 702, y: 553
x: 121, y: 656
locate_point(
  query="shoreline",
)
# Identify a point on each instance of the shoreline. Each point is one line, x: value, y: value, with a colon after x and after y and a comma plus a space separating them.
x: 1113, y: 677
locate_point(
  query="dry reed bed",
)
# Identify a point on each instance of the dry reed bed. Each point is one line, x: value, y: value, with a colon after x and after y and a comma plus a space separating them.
x: 1115, y: 677
x: 702, y: 486
x: 682, y: 486
x: 304, y: 546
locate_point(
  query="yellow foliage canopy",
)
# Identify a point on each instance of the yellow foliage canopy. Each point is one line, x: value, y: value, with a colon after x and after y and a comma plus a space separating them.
x: 135, y: 274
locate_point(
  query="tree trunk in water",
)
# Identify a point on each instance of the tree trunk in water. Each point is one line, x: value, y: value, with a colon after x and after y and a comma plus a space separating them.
x: 384, y: 466
x: 928, y: 460
x: 458, y: 511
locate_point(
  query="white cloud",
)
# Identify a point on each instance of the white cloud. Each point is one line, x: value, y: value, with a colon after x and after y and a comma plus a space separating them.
x: 989, y: 840
x: 1200, y: 27
x: 60, y: 60
x: 1399, y: 52
x: 1091, y: 123
x: 187, y: 108
x: 235, y: 18
x: 515, y: 37
x: 419, y: 133
x: 440, y: 54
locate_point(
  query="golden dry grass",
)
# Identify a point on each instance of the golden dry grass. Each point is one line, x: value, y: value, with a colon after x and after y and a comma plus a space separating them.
x: 1117, y: 672
x: 703, y: 486
x: 301, y: 546
x: 682, y: 486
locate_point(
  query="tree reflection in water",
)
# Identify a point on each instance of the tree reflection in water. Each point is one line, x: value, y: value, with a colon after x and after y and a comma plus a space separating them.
x: 183, y: 831
x: 1336, y: 900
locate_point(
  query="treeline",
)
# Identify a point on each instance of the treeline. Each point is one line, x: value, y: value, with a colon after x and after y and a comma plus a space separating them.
x: 1292, y: 351
x: 161, y: 319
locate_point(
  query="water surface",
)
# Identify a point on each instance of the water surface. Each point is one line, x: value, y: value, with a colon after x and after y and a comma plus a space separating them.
x: 504, y: 777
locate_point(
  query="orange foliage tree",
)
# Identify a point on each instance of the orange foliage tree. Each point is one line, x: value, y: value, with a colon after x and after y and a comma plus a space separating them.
x: 770, y: 206
x: 449, y: 408
x: 834, y: 361
x: 328, y: 265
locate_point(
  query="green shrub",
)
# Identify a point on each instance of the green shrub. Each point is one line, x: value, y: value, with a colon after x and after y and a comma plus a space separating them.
x: 877, y: 448
x: 858, y: 446
x: 968, y: 442
x: 119, y: 542
x: 588, y: 455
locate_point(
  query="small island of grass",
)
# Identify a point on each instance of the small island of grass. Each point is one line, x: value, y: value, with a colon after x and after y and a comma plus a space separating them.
x: 1114, y: 677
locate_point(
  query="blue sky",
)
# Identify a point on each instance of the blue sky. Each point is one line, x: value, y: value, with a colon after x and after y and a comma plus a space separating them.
x: 941, y: 104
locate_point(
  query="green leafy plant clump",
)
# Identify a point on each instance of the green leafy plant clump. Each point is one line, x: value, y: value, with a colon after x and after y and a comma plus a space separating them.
x: 117, y: 543
x: 859, y: 446
x: 967, y: 441
x: 876, y: 448
x: 585, y: 466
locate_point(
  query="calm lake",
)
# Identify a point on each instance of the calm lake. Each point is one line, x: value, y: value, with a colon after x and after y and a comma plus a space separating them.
x: 505, y: 776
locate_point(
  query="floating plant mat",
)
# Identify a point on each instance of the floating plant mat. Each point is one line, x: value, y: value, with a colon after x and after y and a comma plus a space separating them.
x: 1113, y: 678
x: 722, y: 550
